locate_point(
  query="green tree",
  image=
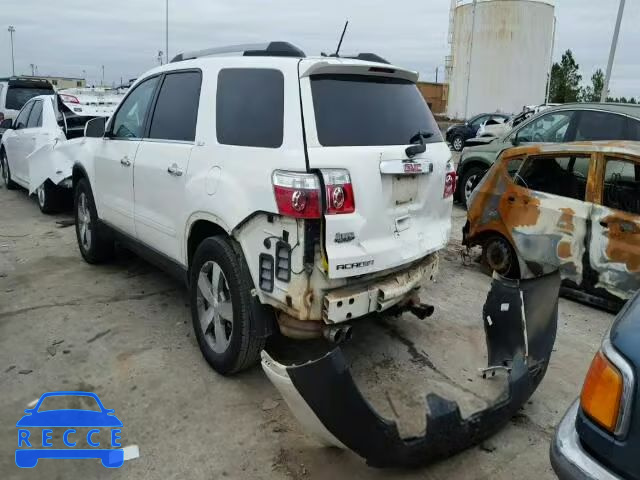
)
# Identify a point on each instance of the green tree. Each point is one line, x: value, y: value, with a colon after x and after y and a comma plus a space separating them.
x: 593, y: 92
x: 565, y: 80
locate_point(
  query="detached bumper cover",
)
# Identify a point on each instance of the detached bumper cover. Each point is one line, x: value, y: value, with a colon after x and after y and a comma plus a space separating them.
x: 520, y: 320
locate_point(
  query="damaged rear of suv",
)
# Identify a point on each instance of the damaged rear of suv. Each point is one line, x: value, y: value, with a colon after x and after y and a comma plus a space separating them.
x: 291, y: 193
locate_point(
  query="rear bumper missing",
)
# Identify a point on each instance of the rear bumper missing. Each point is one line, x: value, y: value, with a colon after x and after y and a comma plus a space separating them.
x: 347, y: 303
x: 520, y: 320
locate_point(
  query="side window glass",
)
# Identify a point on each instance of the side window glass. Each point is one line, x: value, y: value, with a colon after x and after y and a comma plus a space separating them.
x: 633, y: 130
x: 513, y: 166
x: 600, y: 126
x: 551, y: 127
x: 250, y: 107
x: 23, y: 116
x: 35, y: 117
x: 479, y: 121
x: 176, y: 111
x: 129, y: 121
x: 563, y: 176
x: 622, y: 185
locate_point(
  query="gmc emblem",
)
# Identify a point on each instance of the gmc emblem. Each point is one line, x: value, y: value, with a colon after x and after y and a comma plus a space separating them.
x: 412, y: 168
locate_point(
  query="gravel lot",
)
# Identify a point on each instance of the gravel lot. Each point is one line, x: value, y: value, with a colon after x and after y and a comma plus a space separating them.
x: 124, y: 331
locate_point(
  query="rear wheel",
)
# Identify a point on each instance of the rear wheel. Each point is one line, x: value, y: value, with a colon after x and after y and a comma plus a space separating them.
x: 457, y: 143
x: 221, y: 311
x: 95, y: 244
x: 50, y: 197
x: 499, y: 256
x: 469, y: 182
x: 6, y: 172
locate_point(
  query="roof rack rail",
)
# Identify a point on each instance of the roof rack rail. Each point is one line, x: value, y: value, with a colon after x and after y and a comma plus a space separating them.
x: 271, y: 49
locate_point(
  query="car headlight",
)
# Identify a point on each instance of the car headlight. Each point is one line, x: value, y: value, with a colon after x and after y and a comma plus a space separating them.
x: 608, y: 390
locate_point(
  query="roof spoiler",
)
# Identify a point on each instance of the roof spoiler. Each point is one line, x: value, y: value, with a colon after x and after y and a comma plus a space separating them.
x: 271, y: 49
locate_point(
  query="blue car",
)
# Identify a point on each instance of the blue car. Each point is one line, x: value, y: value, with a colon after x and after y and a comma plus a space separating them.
x: 599, y: 436
x: 70, y: 418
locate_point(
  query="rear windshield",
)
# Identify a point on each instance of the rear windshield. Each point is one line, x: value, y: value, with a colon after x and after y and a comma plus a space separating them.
x: 358, y: 110
x: 18, y: 96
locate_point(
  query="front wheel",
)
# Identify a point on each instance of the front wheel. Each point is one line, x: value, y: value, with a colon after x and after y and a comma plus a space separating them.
x: 220, y: 294
x: 499, y: 256
x: 6, y: 172
x: 95, y: 245
x: 457, y: 143
x: 469, y: 182
x: 49, y: 197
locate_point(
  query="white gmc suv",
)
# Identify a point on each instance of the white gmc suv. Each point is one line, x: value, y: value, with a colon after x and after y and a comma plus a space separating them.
x: 289, y: 192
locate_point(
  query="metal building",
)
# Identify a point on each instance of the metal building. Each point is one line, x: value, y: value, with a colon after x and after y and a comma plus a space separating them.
x: 500, y: 55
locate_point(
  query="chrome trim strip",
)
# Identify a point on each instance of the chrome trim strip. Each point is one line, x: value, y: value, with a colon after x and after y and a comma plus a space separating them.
x: 624, y: 418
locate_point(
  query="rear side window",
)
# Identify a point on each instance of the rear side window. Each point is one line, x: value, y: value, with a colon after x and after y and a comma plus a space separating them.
x: 35, y: 117
x: 360, y: 110
x: 18, y: 96
x: 176, y: 112
x: 563, y: 176
x: 23, y: 116
x: 622, y: 185
x: 250, y: 107
x: 601, y: 126
x: 633, y: 129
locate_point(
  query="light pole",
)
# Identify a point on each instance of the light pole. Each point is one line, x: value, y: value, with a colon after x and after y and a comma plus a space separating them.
x: 11, y: 31
x: 612, y: 53
x: 166, y: 31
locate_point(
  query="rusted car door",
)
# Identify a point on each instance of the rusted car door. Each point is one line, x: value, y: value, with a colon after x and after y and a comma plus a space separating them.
x: 547, y: 213
x: 615, y: 241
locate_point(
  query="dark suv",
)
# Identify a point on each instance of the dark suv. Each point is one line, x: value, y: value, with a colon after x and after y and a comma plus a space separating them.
x: 459, y: 133
x: 566, y: 123
x: 599, y: 436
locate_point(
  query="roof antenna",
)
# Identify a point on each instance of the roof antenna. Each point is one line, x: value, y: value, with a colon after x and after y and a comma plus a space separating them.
x: 346, y: 24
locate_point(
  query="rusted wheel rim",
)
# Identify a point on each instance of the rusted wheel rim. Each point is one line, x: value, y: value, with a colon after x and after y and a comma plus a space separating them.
x: 498, y: 255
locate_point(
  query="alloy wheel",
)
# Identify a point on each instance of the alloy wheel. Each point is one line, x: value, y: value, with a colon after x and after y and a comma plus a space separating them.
x: 84, y: 222
x: 215, y: 308
x: 469, y: 187
x: 41, y: 196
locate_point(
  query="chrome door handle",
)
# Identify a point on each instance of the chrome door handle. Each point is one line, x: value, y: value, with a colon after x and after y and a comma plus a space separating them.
x: 174, y: 170
x: 125, y: 162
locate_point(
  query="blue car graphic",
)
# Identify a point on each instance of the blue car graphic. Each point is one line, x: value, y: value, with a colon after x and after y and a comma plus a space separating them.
x: 105, y: 418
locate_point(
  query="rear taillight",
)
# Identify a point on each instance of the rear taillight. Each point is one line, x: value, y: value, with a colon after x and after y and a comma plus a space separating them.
x: 297, y: 194
x: 69, y: 98
x: 339, y: 191
x: 450, y: 181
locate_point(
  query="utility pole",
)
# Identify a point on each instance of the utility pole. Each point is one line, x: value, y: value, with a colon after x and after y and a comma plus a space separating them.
x: 553, y: 46
x: 612, y: 53
x: 33, y: 69
x: 473, y: 31
x: 11, y: 31
x: 166, y: 30
x: 102, y: 83
x: 437, y: 74
x: 160, y: 56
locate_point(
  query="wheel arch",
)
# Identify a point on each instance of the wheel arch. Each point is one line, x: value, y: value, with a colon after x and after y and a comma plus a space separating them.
x: 482, y: 237
x: 200, y: 228
x: 78, y: 172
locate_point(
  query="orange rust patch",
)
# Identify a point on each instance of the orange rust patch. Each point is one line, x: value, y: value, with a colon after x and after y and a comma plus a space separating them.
x: 624, y: 245
x: 566, y: 220
x: 564, y: 250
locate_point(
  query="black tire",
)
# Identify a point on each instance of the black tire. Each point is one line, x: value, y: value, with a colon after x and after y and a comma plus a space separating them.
x: 243, y: 349
x: 6, y: 172
x: 99, y: 249
x: 500, y: 256
x: 471, y: 176
x: 457, y: 142
x: 50, y: 197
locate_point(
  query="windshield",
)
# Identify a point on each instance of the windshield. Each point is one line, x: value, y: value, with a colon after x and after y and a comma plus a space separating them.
x: 18, y: 96
x: 65, y: 402
x: 358, y: 110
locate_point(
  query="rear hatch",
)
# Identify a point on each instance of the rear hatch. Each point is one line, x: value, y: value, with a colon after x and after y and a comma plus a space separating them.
x: 361, y: 117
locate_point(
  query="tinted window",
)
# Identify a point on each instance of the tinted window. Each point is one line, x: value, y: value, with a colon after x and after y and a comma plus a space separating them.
x: 551, y: 127
x: 250, y: 107
x: 563, y: 176
x: 622, y: 186
x: 35, y: 117
x: 18, y: 96
x: 633, y: 129
x: 600, y: 126
x: 476, y: 122
x: 357, y: 110
x: 176, y: 111
x: 23, y: 116
x: 129, y: 121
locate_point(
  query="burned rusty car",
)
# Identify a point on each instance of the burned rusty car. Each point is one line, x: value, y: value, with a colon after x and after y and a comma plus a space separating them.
x: 573, y: 207
x: 520, y: 322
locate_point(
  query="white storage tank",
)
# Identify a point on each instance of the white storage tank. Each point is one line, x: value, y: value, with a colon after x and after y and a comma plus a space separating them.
x: 500, y: 55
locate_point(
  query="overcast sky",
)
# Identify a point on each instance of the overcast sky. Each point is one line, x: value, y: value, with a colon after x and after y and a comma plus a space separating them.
x: 65, y: 37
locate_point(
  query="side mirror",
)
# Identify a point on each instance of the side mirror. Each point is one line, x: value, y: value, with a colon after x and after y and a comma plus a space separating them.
x: 95, y: 128
x: 6, y: 124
